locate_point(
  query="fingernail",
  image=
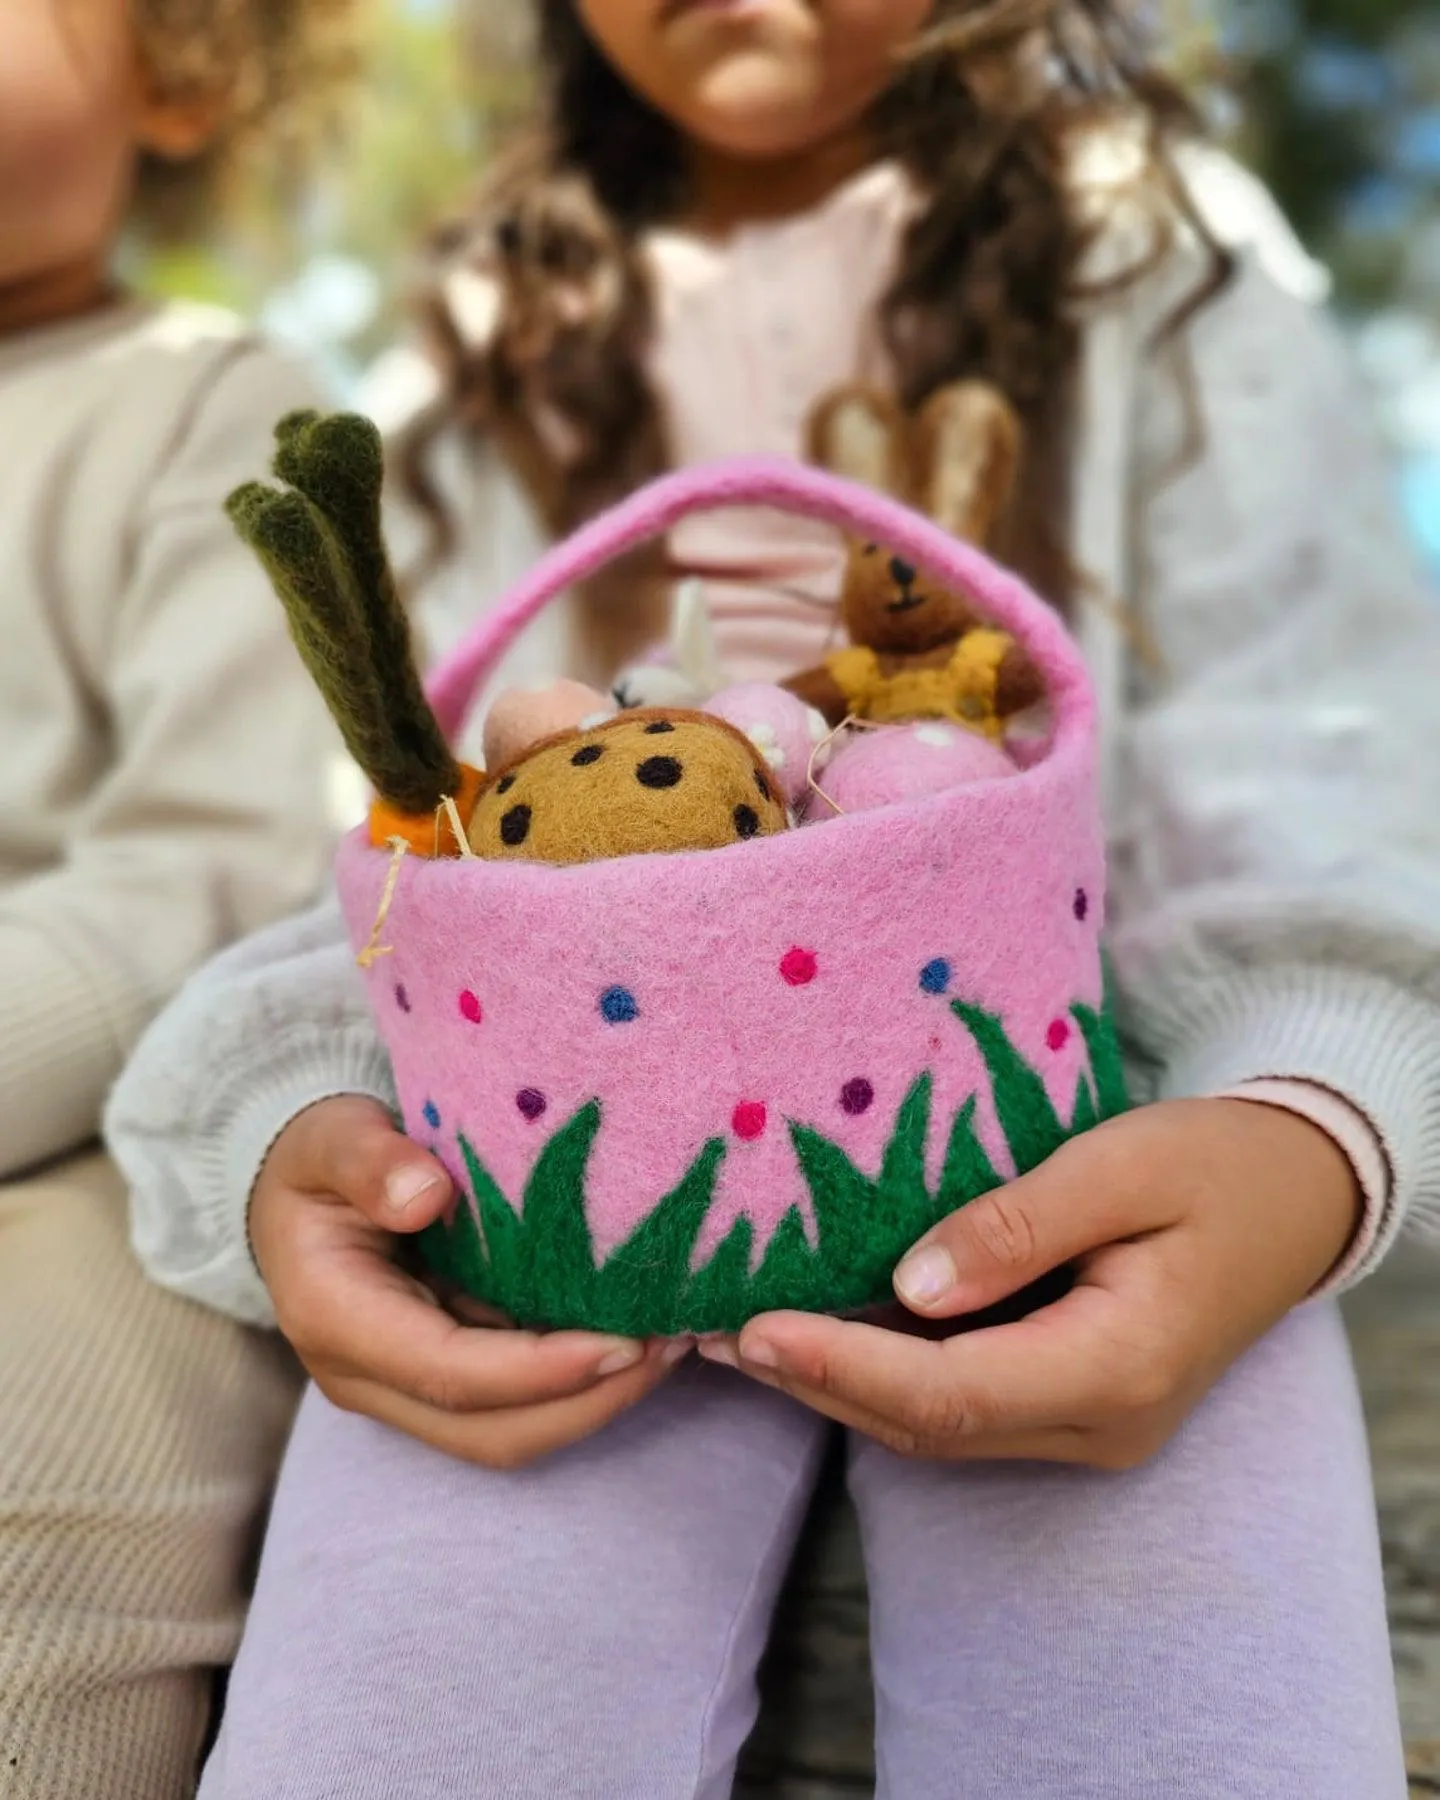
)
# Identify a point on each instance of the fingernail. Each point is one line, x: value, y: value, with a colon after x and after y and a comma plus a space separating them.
x: 675, y: 1352
x: 925, y: 1277
x: 759, y: 1354
x: 404, y: 1186
x: 623, y: 1356
x: 716, y: 1350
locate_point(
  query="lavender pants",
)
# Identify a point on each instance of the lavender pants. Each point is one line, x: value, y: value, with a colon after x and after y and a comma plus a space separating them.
x: 1210, y: 1627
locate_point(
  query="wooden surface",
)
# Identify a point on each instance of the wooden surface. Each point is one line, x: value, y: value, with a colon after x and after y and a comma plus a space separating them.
x: 814, y: 1737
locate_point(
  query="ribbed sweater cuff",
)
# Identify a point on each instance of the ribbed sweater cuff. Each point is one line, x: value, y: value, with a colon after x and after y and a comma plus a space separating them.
x: 1363, y: 1038
x: 301, y: 1070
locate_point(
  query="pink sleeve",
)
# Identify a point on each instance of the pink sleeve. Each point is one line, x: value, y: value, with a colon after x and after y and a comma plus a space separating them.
x: 1357, y: 1137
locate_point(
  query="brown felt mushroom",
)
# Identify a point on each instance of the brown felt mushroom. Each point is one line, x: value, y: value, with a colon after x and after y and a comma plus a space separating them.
x: 649, y: 780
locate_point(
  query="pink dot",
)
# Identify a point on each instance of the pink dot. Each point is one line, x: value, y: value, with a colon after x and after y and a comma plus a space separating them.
x: 1058, y: 1036
x: 470, y: 1007
x: 749, y: 1120
x: 799, y: 967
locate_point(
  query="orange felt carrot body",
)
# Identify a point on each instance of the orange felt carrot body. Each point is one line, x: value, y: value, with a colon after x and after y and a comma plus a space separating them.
x: 428, y: 834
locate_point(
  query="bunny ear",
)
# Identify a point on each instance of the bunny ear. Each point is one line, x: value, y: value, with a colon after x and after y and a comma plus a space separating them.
x: 692, y: 638
x: 969, y: 455
x: 859, y: 433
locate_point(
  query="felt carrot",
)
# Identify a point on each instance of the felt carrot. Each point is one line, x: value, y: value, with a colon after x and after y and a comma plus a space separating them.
x: 320, y: 539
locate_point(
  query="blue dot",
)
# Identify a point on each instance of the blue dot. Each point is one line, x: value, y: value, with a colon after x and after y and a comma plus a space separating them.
x: 618, y: 1006
x: 432, y: 1115
x: 935, y: 976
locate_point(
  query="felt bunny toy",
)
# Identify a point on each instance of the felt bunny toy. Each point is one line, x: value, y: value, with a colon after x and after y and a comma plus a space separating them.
x: 687, y: 672
x: 917, y: 649
x: 661, y: 779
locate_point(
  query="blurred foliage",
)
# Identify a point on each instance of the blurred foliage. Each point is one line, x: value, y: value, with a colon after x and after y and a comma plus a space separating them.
x: 1339, y: 110
x: 326, y: 258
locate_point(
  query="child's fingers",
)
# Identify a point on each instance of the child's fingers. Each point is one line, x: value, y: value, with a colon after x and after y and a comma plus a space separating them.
x: 1059, y: 1370
x: 517, y: 1436
x: 359, y: 1317
x: 349, y: 1147
x: 1096, y: 1190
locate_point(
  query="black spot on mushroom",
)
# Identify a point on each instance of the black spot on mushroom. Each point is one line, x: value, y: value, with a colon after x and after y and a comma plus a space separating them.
x: 762, y: 784
x: 658, y: 727
x: 659, y: 772
x: 747, y: 821
x: 515, y: 826
x: 504, y: 784
x: 587, y: 754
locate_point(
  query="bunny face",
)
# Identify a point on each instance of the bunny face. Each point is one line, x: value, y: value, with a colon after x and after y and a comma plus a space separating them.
x: 891, y: 606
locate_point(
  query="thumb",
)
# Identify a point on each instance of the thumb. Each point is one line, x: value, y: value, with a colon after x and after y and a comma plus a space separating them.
x: 1091, y: 1192
x: 350, y: 1148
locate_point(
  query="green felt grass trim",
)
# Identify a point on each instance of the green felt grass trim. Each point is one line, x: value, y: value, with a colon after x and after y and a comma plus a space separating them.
x: 537, y: 1263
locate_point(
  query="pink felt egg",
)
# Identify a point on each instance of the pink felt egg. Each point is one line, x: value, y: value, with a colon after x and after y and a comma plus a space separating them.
x: 787, y: 733
x: 520, y: 717
x: 896, y: 763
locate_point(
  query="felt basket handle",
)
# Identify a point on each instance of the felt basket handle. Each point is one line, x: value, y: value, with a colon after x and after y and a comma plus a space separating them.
x: 788, y: 487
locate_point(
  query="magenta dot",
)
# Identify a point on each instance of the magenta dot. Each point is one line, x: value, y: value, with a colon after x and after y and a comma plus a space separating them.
x: 749, y: 1120
x: 470, y: 1007
x: 1058, y: 1036
x: 799, y: 967
x: 857, y: 1097
x: 532, y: 1104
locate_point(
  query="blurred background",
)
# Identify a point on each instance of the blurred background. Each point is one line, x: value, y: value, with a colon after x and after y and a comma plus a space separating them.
x: 1335, y: 102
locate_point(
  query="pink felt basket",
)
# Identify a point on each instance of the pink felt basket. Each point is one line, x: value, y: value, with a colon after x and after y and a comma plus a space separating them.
x: 679, y: 1089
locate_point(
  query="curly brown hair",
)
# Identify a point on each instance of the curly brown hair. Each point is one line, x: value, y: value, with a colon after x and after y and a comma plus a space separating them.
x: 272, y: 69
x: 982, y: 112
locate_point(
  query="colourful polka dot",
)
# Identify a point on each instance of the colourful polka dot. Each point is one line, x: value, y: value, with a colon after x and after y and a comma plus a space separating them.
x: 857, y: 1097
x: 470, y: 1007
x: 532, y: 1103
x: 1082, y: 905
x: 432, y: 1115
x: 748, y: 1120
x: 618, y: 1006
x: 402, y: 999
x: 1058, y: 1036
x: 935, y: 976
x: 799, y: 967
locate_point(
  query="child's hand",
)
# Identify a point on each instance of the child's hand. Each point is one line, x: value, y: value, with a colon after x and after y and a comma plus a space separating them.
x: 1194, y: 1227
x: 329, y: 1198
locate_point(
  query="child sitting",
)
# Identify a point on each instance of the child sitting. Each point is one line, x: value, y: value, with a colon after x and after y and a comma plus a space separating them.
x: 162, y: 790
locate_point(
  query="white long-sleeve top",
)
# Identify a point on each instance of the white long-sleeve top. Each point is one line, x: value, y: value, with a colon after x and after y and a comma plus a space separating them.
x: 163, y: 757
x: 1269, y: 760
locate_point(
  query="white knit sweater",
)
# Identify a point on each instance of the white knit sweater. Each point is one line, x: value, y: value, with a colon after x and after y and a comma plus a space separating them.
x: 1275, y: 849
x: 150, y: 811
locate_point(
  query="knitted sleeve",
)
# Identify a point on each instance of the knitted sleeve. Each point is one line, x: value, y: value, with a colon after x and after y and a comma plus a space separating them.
x: 210, y: 815
x: 1276, y: 845
x: 275, y: 1024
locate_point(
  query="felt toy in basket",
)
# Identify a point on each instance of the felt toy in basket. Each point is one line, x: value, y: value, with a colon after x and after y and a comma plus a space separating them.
x: 658, y: 779
x: 677, y: 1090
x: 918, y: 649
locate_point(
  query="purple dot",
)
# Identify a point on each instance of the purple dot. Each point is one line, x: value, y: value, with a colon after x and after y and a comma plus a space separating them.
x: 1082, y: 905
x: 402, y: 999
x: 857, y: 1097
x: 531, y: 1102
